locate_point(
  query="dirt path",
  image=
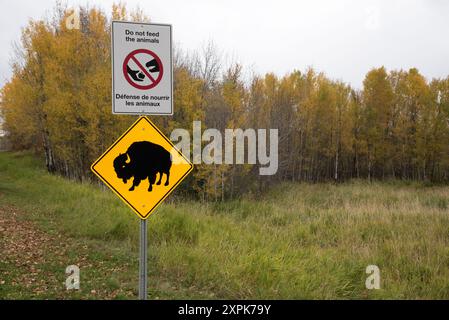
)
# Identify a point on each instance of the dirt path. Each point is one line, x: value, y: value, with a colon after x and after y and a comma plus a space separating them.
x: 24, y: 247
x: 33, y: 262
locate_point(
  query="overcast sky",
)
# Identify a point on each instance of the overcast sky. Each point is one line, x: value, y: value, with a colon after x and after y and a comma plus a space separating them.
x: 343, y: 38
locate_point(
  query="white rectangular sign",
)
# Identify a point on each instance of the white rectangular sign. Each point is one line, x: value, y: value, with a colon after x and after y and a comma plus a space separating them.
x: 142, y: 74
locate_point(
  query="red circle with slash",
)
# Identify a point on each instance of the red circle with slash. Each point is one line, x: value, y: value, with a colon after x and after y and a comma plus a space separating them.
x: 154, y: 81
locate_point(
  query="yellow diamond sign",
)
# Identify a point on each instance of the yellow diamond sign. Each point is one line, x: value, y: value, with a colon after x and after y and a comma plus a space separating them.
x: 142, y: 167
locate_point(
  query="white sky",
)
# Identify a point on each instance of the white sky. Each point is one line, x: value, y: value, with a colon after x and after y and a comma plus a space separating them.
x: 343, y: 38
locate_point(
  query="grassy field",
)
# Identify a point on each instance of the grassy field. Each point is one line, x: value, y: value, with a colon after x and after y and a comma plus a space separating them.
x: 299, y: 241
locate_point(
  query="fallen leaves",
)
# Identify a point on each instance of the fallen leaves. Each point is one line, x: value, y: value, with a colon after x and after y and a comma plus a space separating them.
x: 24, y: 246
x: 36, y: 263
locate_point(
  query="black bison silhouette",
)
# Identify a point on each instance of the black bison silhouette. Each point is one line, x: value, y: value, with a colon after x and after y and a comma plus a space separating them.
x: 143, y: 160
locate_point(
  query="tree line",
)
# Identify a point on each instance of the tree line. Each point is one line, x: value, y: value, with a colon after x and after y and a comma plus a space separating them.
x: 58, y: 104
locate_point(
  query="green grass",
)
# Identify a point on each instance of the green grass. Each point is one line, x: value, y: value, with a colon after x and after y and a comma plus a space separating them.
x: 298, y: 241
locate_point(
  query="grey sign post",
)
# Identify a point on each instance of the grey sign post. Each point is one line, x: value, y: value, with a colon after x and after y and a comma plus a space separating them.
x: 143, y: 270
x: 142, y: 84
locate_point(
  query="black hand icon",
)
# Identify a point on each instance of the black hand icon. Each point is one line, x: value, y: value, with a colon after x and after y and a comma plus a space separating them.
x: 135, y: 75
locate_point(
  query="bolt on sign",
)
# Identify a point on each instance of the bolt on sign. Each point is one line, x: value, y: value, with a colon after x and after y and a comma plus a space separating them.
x: 142, y: 167
x: 142, y: 68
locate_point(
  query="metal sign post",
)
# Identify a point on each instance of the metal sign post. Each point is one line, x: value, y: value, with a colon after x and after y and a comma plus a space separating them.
x: 143, y: 271
x: 142, y: 83
x: 142, y: 144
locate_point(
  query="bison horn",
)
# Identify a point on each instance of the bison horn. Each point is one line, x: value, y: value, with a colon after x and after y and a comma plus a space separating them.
x: 128, y: 160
